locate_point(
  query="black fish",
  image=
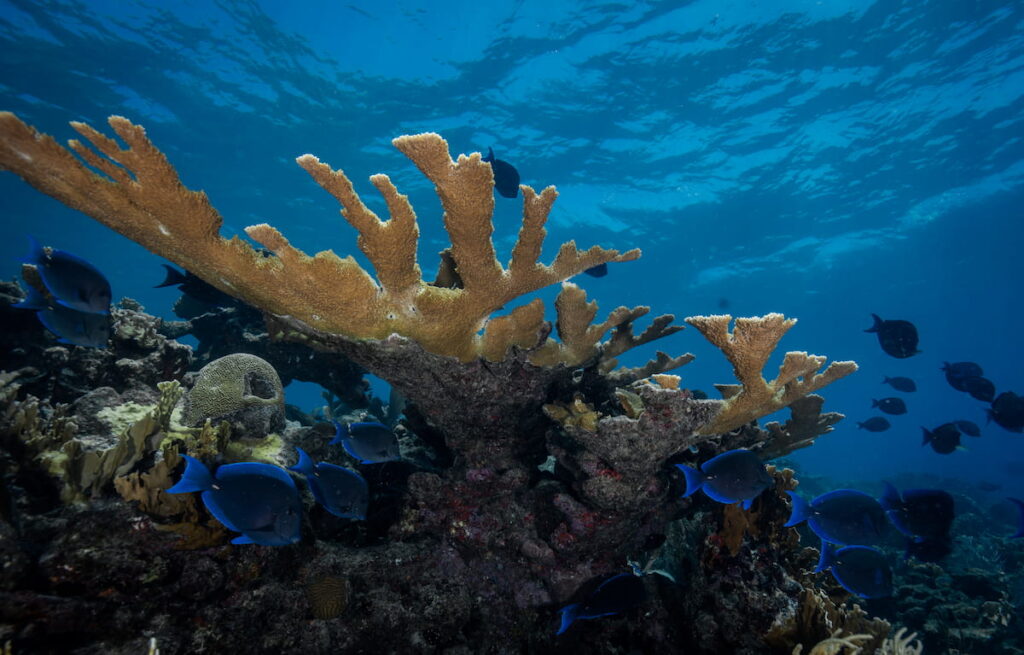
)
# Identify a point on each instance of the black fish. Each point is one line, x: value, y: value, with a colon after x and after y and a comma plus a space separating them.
x: 890, y: 405
x: 943, y: 439
x: 957, y: 371
x: 919, y: 513
x: 617, y: 594
x: 194, y: 287
x: 874, y: 424
x: 897, y: 338
x: 1008, y: 411
x: 506, y: 177
x: 597, y: 271
x: 970, y: 428
x: 980, y: 388
x: 905, y: 385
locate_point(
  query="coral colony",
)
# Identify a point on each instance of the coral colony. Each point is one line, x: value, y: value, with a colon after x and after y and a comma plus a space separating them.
x: 527, y: 471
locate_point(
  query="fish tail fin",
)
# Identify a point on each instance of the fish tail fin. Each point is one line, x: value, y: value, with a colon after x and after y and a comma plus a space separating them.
x: 490, y: 155
x: 860, y: 425
x: 305, y: 464
x: 827, y: 557
x: 36, y: 254
x: 801, y: 510
x: 340, y: 432
x: 890, y: 499
x: 877, y: 324
x: 886, y: 379
x: 174, y: 277
x: 1020, y: 518
x: 243, y: 539
x: 195, y: 478
x: 748, y: 503
x: 927, y: 436
x: 33, y: 300
x: 569, y: 613
x: 988, y: 416
x: 694, y: 479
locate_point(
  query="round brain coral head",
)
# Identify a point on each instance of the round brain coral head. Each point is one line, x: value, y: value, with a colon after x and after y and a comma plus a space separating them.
x: 239, y: 388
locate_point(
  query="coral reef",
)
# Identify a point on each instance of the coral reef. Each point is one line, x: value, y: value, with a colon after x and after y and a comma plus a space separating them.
x: 241, y: 389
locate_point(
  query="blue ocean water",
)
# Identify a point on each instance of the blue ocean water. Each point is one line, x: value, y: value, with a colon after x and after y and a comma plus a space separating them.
x: 824, y: 159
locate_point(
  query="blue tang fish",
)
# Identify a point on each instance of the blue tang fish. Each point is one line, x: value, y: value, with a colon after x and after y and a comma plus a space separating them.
x: 731, y: 477
x: 370, y: 443
x: 615, y: 595
x: 342, y: 492
x: 259, y: 500
x: 919, y: 513
x: 70, y: 325
x: 843, y: 517
x: 506, y: 177
x: 896, y: 337
x: 860, y: 570
x: 597, y: 271
x: 74, y: 282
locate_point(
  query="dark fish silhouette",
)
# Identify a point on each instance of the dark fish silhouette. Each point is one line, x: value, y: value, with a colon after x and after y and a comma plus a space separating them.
x: 73, y: 282
x: 897, y: 338
x: 1008, y: 411
x: 980, y: 388
x: 195, y: 287
x: 860, y: 570
x: 930, y: 550
x: 943, y: 439
x: 970, y: 428
x: 957, y: 371
x: 506, y: 177
x: 341, y: 492
x: 919, y: 513
x: 874, y: 424
x: 259, y: 500
x: 597, y: 271
x: 905, y: 385
x: 890, y: 405
x: 370, y: 443
x: 732, y: 477
x: 615, y: 595
x: 843, y: 517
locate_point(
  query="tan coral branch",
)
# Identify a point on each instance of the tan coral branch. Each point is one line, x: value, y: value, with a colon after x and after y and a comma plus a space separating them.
x: 748, y: 348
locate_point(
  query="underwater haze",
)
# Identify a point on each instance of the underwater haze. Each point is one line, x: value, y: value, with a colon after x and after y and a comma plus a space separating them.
x: 824, y: 159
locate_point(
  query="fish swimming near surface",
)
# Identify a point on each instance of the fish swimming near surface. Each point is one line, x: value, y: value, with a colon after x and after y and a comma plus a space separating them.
x: 259, y: 500
x: 843, y: 516
x: 957, y: 371
x: 597, y: 271
x: 370, y: 443
x: 905, y: 385
x: 979, y: 388
x: 73, y: 282
x: 76, y: 327
x: 341, y: 492
x: 944, y: 439
x: 1020, y: 518
x: 506, y: 177
x: 617, y: 594
x: 874, y: 424
x: 970, y: 428
x: 897, y: 337
x: 1008, y: 411
x: 194, y: 287
x: 732, y: 477
x: 919, y: 513
x: 893, y: 406
x: 860, y: 570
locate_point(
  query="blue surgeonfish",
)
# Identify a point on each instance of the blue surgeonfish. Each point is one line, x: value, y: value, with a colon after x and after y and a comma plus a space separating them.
x: 731, y: 477
x: 597, y: 271
x: 843, y: 517
x: 944, y: 439
x: 342, y: 492
x: 506, y: 177
x: 259, y: 500
x: 893, y: 406
x: 896, y: 337
x: 874, y: 424
x: 616, y: 594
x: 905, y: 385
x: 1008, y: 411
x: 370, y: 443
x: 74, y: 282
x: 919, y: 513
x: 859, y: 569
x: 957, y: 372
x: 75, y: 327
